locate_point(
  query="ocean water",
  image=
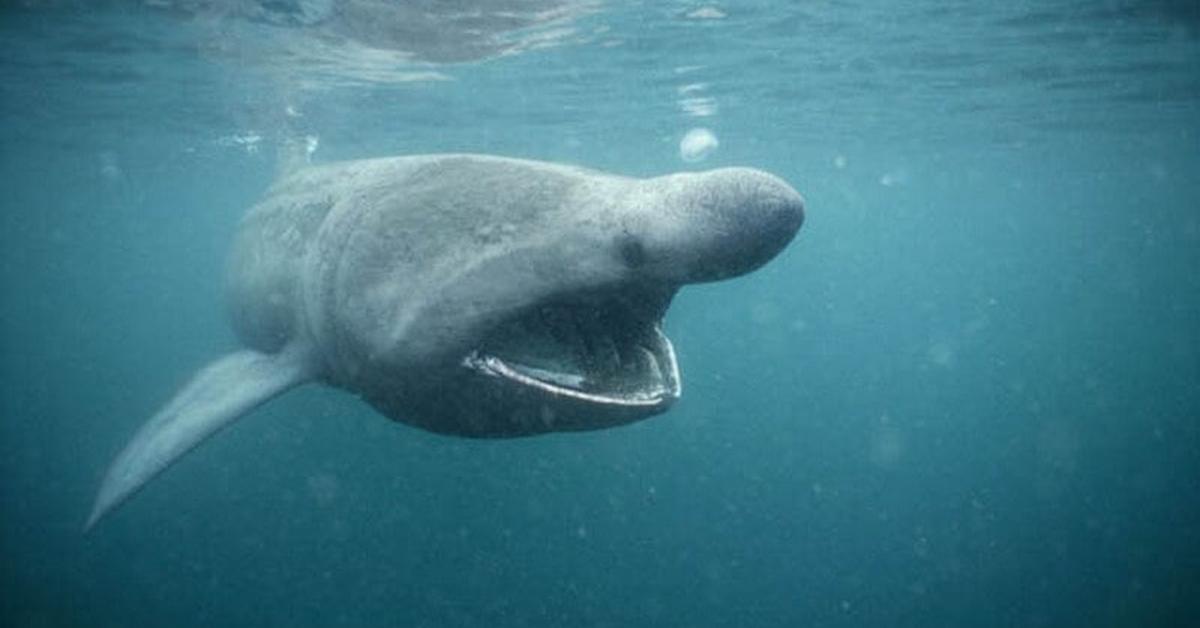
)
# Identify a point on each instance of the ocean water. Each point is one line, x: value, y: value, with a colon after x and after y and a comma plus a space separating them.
x: 968, y: 394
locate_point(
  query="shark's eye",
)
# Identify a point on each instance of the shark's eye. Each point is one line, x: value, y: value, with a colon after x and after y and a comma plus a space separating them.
x: 633, y: 252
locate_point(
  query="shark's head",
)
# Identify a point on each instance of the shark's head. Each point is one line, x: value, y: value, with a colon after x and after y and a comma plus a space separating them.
x: 556, y: 324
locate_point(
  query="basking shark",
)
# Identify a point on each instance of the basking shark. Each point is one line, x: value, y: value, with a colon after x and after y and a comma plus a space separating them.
x: 467, y: 295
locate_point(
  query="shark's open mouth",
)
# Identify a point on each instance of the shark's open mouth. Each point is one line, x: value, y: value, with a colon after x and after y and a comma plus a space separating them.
x: 602, y: 349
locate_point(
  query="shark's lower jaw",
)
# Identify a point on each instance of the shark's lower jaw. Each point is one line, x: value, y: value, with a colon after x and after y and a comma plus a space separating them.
x: 605, y: 350
x: 651, y: 380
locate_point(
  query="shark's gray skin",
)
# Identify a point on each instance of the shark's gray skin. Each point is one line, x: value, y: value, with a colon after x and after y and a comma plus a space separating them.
x: 468, y: 295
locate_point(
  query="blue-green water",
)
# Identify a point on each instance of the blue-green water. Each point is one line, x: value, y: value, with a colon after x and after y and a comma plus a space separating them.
x: 967, y: 395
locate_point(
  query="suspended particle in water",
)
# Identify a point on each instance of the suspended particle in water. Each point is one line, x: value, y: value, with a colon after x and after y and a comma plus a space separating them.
x: 894, y: 178
x: 706, y: 13
x: 887, y: 447
x: 247, y: 141
x: 323, y: 487
x: 697, y: 144
x: 942, y: 353
x: 110, y: 167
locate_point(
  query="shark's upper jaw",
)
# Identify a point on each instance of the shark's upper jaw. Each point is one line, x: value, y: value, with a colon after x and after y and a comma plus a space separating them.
x: 604, y: 349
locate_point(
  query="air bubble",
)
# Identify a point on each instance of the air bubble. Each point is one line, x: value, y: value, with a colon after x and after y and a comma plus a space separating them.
x: 697, y: 144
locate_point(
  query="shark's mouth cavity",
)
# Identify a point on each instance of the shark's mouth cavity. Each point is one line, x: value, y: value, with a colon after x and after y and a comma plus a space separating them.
x: 606, y: 349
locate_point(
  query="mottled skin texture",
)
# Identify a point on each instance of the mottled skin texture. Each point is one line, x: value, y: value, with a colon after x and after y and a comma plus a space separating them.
x: 466, y: 294
x: 381, y: 260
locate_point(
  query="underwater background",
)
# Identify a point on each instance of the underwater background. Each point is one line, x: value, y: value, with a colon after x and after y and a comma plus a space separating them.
x: 968, y: 394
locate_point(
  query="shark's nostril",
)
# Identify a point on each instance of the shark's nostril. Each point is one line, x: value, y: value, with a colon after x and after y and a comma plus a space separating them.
x: 633, y: 252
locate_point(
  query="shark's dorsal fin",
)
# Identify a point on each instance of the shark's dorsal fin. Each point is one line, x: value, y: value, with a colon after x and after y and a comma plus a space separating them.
x: 215, y: 397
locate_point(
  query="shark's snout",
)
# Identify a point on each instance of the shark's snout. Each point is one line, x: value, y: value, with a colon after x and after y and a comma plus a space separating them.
x: 758, y: 215
x: 722, y: 224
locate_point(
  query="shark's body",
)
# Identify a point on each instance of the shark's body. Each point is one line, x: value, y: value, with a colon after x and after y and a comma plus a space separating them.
x: 468, y: 295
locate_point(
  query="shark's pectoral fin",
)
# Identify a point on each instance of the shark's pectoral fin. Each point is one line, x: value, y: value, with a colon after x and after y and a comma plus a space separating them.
x: 220, y: 393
